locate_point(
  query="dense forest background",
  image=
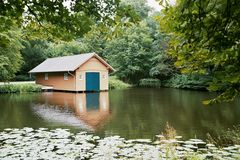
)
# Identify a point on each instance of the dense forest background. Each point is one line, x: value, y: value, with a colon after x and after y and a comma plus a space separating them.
x: 170, y: 48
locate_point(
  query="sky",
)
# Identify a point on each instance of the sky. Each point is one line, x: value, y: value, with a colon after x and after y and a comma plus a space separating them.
x: 156, y: 6
x: 151, y: 3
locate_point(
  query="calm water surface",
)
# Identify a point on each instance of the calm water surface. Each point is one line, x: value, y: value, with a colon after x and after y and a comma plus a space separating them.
x: 131, y: 113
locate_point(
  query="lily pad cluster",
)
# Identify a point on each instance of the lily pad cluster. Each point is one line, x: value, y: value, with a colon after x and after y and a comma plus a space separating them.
x: 42, y: 143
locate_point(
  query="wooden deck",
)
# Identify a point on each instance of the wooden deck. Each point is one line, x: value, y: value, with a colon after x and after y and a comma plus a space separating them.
x: 47, y: 88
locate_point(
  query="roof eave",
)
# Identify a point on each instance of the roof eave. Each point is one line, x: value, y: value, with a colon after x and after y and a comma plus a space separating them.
x: 52, y: 71
x: 110, y: 68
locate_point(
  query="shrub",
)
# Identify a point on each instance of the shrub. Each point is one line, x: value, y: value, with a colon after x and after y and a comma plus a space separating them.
x: 150, y: 82
x: 24, y: 78
x: 194, y: 81
x: 115, y: 83
x: 19, y: 88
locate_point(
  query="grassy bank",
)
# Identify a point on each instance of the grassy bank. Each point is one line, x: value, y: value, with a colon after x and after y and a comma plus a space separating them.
x: 181, y: 81
x: 115, y: 83
x: 19, y: 88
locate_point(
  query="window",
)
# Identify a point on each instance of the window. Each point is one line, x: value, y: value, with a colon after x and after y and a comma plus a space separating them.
x: 65, y: 76
x: 104, y: 76
x: 46, y: 76
x: 80, y: 77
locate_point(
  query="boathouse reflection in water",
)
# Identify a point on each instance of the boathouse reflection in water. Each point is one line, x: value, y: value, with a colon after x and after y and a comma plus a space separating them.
x: 83, y: 110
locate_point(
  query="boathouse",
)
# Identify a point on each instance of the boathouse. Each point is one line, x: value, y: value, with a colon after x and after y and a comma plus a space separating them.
x: 83, y: 72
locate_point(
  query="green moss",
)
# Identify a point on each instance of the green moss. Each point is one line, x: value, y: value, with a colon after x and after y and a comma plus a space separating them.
x: 19, y: 88
x: 115, y: 83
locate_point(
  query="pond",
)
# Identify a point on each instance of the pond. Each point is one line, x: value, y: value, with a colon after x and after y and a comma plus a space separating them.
x: 130, y: 113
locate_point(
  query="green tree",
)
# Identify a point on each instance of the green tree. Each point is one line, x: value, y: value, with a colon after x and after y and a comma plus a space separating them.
x: 96, y: 40
x: 162, y: 64
x: 130, y: 53
x: 59, y: 18
x: 33, y: 20
x: 36, y: 51
x: 33, y: 54
x: 10, y: 45
x: 137, y: 52
x: 205, y: 39
x: 139, y: 6
x: 65, y: 49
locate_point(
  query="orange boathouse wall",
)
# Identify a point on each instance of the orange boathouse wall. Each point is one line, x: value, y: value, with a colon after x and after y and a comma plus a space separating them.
x: 76, y: 80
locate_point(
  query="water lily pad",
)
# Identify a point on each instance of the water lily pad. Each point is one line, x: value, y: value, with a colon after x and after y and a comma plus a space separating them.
x: 28, y: 143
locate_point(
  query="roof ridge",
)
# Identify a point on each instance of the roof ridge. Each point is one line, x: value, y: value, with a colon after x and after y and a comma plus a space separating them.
x: 72, y: 55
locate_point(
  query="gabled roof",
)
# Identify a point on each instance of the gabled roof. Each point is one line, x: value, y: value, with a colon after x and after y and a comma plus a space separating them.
x: 67, y: 63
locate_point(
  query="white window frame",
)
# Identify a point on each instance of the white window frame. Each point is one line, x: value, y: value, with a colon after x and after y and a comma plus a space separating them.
x: 80, y: 77
x: 46, y: 76
x: 104, y: 75
x: 65, y: 76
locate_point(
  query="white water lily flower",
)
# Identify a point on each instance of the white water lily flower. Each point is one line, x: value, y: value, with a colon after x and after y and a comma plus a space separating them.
x: 31, y: 144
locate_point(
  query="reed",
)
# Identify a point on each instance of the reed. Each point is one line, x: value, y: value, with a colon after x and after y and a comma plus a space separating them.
x: 19, y: 88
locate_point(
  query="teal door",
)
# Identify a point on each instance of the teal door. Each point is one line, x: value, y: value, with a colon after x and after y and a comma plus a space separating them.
x: 92, y: 81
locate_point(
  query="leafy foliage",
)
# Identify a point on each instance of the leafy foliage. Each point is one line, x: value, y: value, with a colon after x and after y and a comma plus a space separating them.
x: 36, y: 51
x: 61, y: 18
x: 34, y: 22
x: 205, y: 40
x: 64, y: 49
x: 150, y: 82
x: 137, y: 51
x: 95, y: 40
x: 33, y: 54
x: 10, y: 45
x: 162, y: 66
x: 115, y: 83
x: 139, y: 6
x: 189, y: 81
x: 24, y: 77
x: 130, y: 53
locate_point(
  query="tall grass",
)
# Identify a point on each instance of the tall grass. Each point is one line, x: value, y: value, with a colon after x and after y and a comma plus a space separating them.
x: 115, y: 83
x: 230, y: 136
x: 19, y: 88
x: 169, y: 132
